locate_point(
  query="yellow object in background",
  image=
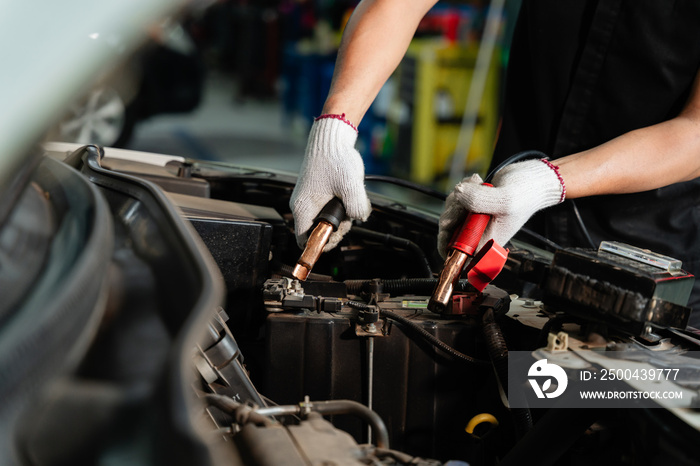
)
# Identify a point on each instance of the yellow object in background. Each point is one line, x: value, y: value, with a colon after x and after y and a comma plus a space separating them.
x: 442, y: 75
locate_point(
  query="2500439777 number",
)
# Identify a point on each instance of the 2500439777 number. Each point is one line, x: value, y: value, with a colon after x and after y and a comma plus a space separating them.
x: 638, y: 374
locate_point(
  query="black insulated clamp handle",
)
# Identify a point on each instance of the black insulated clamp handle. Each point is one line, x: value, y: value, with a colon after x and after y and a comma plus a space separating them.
x: 333, y: 212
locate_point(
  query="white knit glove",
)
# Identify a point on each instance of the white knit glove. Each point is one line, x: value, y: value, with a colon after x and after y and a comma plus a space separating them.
x: 331, y: 168
x: 519, y: 190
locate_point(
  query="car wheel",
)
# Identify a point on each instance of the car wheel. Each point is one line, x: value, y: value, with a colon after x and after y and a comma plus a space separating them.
x: 102, y: 117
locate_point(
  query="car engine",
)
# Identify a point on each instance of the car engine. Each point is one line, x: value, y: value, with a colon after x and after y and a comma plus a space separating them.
x: 348, y: 367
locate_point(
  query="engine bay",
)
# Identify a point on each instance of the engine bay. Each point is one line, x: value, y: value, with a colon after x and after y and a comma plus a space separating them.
x: 350, y: 366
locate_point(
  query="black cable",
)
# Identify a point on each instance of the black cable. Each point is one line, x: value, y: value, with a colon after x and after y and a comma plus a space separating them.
x: 582, y: 225
x: 530, y: 154
x: 408, y: 184
x: 417, y: 286
x: 520, y: 156
x: 358, y: 305
x: 534, y: 154
x: 398, y: 242
x: 542, y: 239
x: 430, y: 338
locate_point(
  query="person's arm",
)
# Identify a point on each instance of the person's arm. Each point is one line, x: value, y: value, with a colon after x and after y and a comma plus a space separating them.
x: 374, y: 42
x: 641, y: 160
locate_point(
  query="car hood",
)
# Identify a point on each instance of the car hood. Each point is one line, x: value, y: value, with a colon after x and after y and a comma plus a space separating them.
x: 52, y: 50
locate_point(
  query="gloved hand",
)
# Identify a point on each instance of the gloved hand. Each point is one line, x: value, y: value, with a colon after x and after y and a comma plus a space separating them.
x: 519, y: 190
x: 331, y: 168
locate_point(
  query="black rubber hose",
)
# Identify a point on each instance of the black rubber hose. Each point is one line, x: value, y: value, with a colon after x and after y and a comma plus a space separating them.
x: 430, y: 338
x: 358, y: 305
x: 498, y: 352
x: 418, y: 286
x: 496, y: 344
x: 397, y: 242
x: 401, y: 286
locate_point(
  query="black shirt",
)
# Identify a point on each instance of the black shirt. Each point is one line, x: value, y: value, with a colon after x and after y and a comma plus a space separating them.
x: 582, y: 72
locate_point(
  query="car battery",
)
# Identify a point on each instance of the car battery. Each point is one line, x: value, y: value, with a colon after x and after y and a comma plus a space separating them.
x: 622, y: 285
x: 424, y: 395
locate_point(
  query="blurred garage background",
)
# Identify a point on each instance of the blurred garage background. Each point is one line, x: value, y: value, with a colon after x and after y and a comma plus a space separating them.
x: 241, y: 81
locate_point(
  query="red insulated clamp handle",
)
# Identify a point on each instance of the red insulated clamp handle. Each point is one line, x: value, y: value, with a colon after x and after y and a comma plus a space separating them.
x: 468, y: 236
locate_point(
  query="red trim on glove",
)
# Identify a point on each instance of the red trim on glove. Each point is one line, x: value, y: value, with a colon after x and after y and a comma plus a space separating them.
x: 561, y: 180
x: 336, y: 117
